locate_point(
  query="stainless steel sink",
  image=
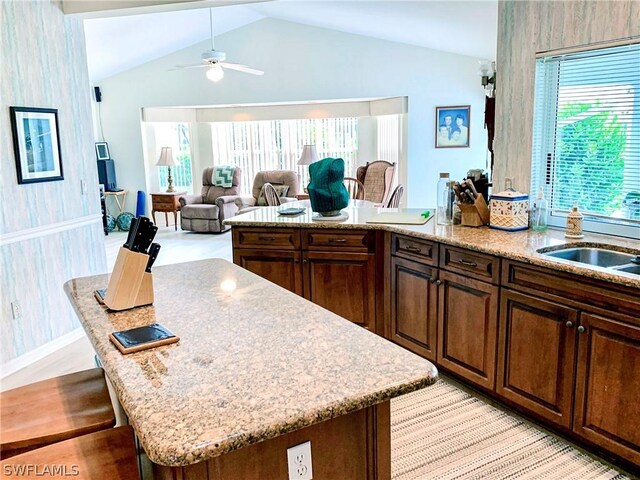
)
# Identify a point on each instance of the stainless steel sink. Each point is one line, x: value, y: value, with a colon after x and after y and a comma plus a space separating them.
x: 592, y: 256
x: 601, y: 256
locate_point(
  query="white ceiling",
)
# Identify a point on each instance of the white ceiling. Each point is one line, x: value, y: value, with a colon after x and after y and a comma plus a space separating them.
x: 465, y: 27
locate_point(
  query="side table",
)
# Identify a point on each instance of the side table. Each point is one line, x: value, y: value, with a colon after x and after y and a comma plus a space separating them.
x: 120, y: 202
x: 166, y: 202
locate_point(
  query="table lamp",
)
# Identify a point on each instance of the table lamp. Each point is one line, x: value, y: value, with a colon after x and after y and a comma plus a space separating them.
x: 309, y: 156
x: 168, y: 160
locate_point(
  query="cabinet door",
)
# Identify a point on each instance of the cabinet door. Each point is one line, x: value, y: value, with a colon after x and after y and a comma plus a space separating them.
x: 413, y: 306
x: 536, y: 355
x: 467, y: 326
x: 343, y: 283
x: 281, y: 268
x: 607, y: 406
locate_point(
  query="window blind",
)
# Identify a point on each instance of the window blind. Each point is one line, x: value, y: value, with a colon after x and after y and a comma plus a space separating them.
x: 586, y: 147
x: 277, y: 144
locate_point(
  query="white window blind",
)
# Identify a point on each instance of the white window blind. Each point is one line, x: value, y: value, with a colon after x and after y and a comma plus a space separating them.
x: 586, y: 145
x: 277, y: 144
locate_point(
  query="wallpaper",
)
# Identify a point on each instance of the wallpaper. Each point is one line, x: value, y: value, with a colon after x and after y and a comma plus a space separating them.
x: 44, y: 65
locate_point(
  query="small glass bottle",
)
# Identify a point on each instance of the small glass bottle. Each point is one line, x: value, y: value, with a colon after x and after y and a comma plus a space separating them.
x: 445, y: 205
x: 539, y: 213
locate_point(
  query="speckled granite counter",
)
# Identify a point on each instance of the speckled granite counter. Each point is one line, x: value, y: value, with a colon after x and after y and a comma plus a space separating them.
x: 521, y: 246
x: 253, y: 362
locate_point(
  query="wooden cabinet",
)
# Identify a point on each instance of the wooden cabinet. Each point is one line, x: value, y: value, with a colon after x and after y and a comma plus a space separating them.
x: 536, y: 355
x: 414, y: 300
x: 280, y: 267
x: 342, y: 282
x: 467, y: 328
x: 332, y: 268
x: 607, y: 405
x: 167, y: 203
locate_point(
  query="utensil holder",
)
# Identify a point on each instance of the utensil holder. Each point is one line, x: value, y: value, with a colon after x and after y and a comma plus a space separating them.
x: 474, y: 214
x: 129, y: 286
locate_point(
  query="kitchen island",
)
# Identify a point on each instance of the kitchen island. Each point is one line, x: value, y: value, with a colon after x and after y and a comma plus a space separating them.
x: 257, y: 370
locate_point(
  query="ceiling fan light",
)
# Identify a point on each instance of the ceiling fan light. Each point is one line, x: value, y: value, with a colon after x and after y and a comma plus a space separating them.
x: 215, y: 73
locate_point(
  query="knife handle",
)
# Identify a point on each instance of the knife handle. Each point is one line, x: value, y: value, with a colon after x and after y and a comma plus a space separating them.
x: 153, y: 254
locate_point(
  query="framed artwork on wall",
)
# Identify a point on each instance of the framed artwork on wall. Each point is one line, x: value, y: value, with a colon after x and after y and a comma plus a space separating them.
x: 102, y: 151
x: 453, y: 126
x: 36, y: 144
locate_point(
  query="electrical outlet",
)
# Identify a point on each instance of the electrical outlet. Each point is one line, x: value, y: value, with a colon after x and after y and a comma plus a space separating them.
x: 299, y: 461
x: 16, y: 311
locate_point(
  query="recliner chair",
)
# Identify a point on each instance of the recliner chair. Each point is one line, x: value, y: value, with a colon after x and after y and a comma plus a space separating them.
x: 206, y: 212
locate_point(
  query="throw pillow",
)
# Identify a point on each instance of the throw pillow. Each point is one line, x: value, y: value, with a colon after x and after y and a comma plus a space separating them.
x: 281, y: 190
x: 223, y: 176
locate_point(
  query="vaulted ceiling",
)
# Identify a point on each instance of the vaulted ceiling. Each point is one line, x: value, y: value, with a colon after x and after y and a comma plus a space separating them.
x: 468, y: 27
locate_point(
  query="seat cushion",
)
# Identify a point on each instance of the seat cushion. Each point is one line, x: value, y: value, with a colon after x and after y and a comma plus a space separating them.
x: 203, y: 211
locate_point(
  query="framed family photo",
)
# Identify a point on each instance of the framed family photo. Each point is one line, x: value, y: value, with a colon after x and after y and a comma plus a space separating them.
x: 452, y: 126
x: 36, y: 143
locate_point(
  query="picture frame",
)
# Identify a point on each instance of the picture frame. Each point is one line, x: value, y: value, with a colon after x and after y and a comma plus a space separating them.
x: 453, y: 126
x: 36, y: 144
x: 102, y: 151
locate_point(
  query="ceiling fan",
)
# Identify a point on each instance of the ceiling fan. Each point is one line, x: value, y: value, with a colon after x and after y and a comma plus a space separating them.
x: 214, y: 61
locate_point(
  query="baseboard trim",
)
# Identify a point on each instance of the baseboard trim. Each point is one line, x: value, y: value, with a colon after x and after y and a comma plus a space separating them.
x: 23, y: 361
x: 41, y: 231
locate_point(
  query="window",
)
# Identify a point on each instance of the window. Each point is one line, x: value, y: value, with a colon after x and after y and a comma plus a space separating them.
x: 176, y: 135
x: 586, y: 139
x: 277, y: 144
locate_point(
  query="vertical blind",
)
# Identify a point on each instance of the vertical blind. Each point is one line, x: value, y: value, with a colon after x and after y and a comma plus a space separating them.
x: 277, y: 144
x: 586, y: 143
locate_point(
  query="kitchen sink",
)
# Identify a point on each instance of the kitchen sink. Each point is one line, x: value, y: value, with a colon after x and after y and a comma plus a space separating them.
x: 600, y: 256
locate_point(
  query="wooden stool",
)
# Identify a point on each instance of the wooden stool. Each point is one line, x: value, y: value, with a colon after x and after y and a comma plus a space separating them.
x: 106, y: 455
x: 54, y: 410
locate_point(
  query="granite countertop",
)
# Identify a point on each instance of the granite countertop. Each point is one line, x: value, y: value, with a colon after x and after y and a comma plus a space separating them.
x: 521, y: 246
x: 254, y: 361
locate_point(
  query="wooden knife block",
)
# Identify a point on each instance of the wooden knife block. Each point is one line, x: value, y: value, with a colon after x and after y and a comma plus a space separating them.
x: 129, y: 286
x: 474, y: 214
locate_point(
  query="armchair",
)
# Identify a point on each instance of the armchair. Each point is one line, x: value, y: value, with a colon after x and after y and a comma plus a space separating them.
x: 377, y: 178
x: 206, y: 212
x: 277, y: 178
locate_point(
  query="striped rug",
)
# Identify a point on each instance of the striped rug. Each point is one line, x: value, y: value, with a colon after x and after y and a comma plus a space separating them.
x: 442, y: 432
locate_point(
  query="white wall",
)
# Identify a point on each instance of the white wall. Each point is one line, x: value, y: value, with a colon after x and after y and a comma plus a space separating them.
x: 49, y: 232
x: 305, y: 63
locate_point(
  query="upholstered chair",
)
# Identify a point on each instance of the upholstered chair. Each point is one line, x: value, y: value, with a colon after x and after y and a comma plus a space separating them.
x: 206, y: 212
x: 377, y: 178
x: 286, y: 183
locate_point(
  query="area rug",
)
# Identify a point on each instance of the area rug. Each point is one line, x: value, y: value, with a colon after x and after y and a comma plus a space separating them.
x: 443, y: 432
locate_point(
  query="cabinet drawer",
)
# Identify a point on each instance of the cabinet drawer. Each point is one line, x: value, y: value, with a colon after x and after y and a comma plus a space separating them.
x: 422, y: 251
x: 268, y: 238
x: 165, y: 205
x: 571, y: 290
x: 479, y: 265
x: 350, y: 240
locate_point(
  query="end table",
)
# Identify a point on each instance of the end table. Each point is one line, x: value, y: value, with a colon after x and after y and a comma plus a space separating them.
x: 166, y: 202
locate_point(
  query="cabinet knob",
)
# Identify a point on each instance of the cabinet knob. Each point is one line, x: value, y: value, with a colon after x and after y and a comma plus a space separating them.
x: 569, y: 324
x: 433, y: 280
x: 305, y: 260
x: 581, y: 329
x: 438, y: 282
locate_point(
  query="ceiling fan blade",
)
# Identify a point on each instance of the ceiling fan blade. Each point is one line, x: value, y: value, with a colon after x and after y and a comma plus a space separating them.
x: 181, y: 67
x: 241, y: 68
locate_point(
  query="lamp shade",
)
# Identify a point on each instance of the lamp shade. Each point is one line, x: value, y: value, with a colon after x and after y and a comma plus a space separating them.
x: 166, y: 158
x: 309, y: 155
